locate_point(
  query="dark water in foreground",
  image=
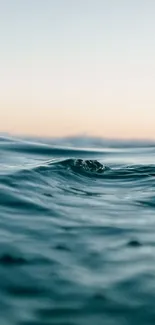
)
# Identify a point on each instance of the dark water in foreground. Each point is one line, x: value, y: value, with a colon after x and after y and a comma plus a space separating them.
x: 77, y: 239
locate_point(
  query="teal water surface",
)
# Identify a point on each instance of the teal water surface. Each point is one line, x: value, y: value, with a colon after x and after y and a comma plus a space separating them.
x: 77, y: 232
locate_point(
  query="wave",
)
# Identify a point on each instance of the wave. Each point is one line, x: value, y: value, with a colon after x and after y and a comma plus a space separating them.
x: 88, y: 166
x: 84, y: 167
x: 73, y: 148
x: 49, y: 150
x: 97, y: 168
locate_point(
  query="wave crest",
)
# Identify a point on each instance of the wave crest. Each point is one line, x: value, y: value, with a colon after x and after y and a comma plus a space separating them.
x: 89, y: 166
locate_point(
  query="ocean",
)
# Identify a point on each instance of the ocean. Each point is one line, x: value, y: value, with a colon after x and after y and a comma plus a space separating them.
x: 77, y: 231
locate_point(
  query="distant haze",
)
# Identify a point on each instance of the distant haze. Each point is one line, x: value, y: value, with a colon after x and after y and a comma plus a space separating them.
x: 78, y: 67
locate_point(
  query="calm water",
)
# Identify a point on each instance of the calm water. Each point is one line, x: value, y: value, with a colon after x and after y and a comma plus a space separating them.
x: 77, y: 237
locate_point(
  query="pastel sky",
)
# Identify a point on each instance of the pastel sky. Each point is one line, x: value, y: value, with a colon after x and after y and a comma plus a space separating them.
x: 72, y: 67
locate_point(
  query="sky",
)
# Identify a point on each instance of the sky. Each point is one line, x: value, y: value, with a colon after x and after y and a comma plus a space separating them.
x: 70, y: 67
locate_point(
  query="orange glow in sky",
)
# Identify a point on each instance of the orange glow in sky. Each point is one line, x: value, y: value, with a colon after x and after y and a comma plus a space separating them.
x: 78, y: 67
